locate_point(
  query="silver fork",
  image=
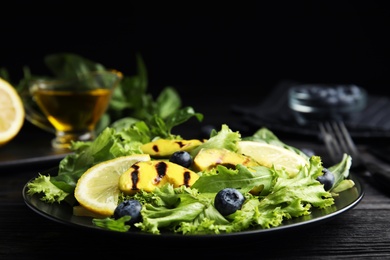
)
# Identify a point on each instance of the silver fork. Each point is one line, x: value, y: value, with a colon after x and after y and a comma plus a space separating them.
x: 338, y: 141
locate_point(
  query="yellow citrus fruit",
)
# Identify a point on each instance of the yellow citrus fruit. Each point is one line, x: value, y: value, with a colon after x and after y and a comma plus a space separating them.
x: 272, y: 155
x: 97, y: 189
x: 11, y: 112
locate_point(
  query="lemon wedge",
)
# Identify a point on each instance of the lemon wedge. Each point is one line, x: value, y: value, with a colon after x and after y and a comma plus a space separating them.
x: 11, y: 112
x: 97, y: 189
x: 272, y: 155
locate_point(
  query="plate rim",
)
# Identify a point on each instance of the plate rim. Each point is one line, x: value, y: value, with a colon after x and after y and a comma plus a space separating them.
x: 28, y: 161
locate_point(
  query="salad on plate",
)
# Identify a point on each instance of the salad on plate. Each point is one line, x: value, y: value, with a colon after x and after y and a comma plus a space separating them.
x: 144, y: 177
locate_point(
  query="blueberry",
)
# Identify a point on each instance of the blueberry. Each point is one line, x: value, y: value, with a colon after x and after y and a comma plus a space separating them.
x: 308, y: 151
x: 130, y: 208
x: 206, y: 131
x: 228, y: 201
x: 327, y: 179
x: 182, y: 158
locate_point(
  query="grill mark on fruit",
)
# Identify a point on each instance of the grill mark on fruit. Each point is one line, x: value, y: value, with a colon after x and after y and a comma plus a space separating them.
x: 161, y: 169
x: 187, y: 178
x: 180, y: 144
x: 134, y: 176
x: 155, y: 148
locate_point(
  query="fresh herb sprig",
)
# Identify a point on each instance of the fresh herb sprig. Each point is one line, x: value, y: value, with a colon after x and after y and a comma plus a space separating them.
x: 131, y: 100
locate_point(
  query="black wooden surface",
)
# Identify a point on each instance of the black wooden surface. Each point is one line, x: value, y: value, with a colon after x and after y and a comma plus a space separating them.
x: 362, y: 232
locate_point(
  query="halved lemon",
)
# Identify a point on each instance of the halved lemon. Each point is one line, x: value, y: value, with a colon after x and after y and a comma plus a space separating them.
x: 272, y: 155
x: 11, y: 112
x: 97, y: 189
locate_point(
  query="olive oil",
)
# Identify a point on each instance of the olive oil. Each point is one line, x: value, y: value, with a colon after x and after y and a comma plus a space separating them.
x: 73, y: 106
x: 73, y: 111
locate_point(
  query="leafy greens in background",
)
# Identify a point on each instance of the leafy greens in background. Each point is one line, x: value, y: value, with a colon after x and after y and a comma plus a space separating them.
x: 130, y: 102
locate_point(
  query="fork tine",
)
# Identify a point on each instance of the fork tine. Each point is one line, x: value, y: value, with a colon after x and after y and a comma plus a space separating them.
x: 338, y: 140
x: 341, y: 136
x: 352, y: 150
x: 329, y: 138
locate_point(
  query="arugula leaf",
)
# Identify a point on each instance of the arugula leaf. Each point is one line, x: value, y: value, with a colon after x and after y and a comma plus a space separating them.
x: 241, y: 178
x: 113, y: 224
x: 341, y: 174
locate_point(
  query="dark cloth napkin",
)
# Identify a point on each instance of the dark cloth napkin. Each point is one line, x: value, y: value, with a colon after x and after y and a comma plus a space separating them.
x: 274, y: 113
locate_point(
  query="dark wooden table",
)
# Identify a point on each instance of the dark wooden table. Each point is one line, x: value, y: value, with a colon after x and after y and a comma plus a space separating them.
x: 361, y: 232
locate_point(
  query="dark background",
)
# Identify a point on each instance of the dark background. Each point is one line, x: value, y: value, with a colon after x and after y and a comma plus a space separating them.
x: 210, y: 48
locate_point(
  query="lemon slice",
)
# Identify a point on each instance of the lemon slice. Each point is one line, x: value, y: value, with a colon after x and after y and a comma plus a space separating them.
x: 11, y: 112
x: 271, y: 155
x: 97, y: 189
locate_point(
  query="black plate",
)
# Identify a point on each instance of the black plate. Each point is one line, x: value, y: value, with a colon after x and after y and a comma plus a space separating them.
x: 62, y: 213
x: 29, y: 161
